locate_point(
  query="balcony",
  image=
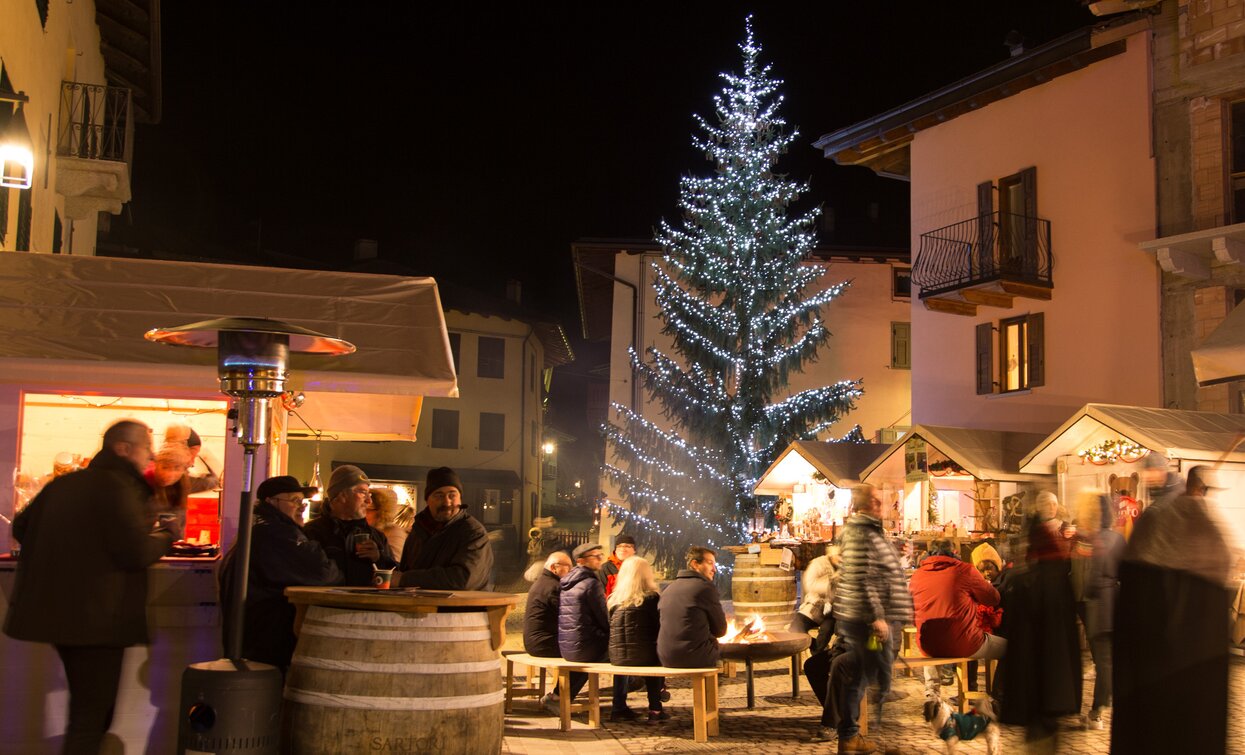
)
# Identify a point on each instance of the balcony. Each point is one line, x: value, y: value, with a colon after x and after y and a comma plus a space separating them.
x: 988, y: 260
x: 94, y: 143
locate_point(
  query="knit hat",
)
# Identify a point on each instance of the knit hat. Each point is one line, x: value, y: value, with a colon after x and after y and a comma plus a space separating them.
x: 986, y: 552
x: 585, y: 549
x: 345, y: 476
x: 439, y: 478
x: 624, y: 540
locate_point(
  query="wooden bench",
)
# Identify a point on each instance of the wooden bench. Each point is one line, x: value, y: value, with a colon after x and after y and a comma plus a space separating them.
x: 704, y: 689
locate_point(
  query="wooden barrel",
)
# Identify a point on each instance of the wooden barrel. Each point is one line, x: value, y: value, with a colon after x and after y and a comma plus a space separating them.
x: 763, y: 589
x: 381, y: 681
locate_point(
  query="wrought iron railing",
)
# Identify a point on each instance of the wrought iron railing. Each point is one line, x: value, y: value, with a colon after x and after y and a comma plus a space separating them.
x: 95, y: 122
x: 997, y: 246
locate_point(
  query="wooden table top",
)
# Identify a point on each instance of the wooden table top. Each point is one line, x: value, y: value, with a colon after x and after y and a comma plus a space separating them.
x: 398, y: 599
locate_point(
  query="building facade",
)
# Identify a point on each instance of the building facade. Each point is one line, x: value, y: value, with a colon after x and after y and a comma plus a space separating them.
x: 90, y: 72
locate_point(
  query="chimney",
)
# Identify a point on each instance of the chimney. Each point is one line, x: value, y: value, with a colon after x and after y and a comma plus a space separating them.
x: 514, y: 291
x: 365, y: 249
x: 1015, y: 42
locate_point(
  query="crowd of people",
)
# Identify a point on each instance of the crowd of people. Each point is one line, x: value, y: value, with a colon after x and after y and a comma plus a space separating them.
x: 610, y: 610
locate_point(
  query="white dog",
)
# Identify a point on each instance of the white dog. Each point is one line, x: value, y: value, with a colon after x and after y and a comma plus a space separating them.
x: 952, y: 727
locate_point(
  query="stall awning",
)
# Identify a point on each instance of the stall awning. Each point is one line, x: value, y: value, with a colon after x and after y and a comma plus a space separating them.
x: 78, y: 322
x: 1175, y: 433
x: 1221, y: 357
x: 985, y: 454
x: 841, y: 463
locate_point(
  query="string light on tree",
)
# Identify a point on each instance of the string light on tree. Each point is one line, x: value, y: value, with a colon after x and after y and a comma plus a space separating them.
x: 743, y: 312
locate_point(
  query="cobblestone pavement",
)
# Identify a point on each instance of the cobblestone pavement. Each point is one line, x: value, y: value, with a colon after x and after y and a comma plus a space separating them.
x: 783, y: 725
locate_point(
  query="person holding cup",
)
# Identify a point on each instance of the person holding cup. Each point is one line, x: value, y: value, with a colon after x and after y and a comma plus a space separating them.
x: 342, y: 530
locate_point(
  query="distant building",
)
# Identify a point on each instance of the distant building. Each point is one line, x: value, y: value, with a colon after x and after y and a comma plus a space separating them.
x: 870, y: 323
x: 91, y: 71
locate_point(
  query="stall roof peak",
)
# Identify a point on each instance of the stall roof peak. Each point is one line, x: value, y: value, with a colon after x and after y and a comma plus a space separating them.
x: 985, y: 454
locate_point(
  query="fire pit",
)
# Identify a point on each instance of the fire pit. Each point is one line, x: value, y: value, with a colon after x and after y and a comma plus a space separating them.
x: 754, y: 643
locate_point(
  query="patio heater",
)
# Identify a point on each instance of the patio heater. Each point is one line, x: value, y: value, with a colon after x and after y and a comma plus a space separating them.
x: 231, y: 704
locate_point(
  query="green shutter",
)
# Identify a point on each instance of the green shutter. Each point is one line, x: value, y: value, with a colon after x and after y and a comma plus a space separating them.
x: 985, y: 358
x: 22, y: 242
x: 1035, y: 337
x: 901, y: 345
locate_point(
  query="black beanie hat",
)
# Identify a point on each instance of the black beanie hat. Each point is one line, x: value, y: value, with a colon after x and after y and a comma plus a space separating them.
x: 439, y: 478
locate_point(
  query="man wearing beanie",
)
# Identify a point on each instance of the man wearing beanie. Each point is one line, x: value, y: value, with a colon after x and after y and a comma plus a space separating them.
x: 624, y: 548
x: 448, y: 549
x: 342, y: 530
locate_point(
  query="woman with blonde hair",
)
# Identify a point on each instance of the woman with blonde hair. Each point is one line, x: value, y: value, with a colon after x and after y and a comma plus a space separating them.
x: 385, y: 514
x: 170, y: 485
x: 634, y: 622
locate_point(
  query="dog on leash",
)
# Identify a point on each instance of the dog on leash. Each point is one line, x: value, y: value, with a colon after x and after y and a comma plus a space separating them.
x: 952, y: 727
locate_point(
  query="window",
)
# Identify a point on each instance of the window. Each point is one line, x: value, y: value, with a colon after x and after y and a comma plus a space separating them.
x: 56, y: 232
x: 1236, y: 175
x: 1021, y: 354
x: 491, y: 358
x: 1008, y: 242
x: 444, y: 428
x: 531, y: 371
x: 901, y: 345
x: 492, y: 431
x: 491, y: 506
x: 535, y: 445
x: 456, y: 348
x: 901, y: 283
x: 4, y: 214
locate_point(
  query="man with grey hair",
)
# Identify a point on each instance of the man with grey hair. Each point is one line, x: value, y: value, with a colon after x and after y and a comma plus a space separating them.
x: 540, y: 619
x: 871, y: 595
x: 342, y: 528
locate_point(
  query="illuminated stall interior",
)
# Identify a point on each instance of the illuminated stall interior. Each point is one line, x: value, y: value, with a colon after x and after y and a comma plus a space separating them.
x: 1103, y: 446
x: 815, y: 479
x: 954, y: 481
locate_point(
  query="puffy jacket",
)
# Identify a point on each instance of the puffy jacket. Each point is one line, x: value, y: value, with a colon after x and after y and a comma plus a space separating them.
x: 691, y: 620
x: 946, y: 592
x: 583, y: 622
x: 540, y: 618
x: 633, y: 633
x: 871, y: 584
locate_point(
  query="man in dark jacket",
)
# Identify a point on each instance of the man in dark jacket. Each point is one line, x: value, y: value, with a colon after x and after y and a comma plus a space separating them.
x: 870, y: 598
x: 81, y: 581
x: 281, y: 556
x: 540, y: 618
x: 583, y: 621
x: 343, y: 532
x: 448, y: 549
x: 691, y: 614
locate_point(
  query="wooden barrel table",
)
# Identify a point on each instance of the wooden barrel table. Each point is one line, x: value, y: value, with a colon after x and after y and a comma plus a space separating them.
x: 762, y: 589
x: 414, y: 671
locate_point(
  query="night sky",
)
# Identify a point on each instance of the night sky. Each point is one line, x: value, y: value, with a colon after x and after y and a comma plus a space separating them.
x: 475, y: 141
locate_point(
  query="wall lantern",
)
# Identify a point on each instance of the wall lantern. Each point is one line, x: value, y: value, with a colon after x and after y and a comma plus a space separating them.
x: 17, y: 151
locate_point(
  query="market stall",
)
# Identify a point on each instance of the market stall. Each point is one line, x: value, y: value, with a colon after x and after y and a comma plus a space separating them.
x: 73, y: 359
x: 955, y: 482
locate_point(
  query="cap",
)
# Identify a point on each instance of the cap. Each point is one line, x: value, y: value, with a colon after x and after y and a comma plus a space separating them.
x: 441, y: 477
x: 624, y: 540
x: 283, y: 484
x: 585, y: 549
x: 345, y: 476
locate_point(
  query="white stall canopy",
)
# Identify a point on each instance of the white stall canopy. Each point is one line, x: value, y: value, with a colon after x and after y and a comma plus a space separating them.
x: 840, y: 463
x: 1175, y: 433
x: 79, y: 321
x: 1221, y: 356
x: 984, y: 454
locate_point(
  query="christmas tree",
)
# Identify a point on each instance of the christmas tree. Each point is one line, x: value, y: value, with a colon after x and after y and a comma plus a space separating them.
x: 743, y: 312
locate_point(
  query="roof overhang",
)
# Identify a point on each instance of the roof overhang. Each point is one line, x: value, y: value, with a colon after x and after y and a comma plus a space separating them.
x: 839, y: 463
x: 881, y: 143
x: 1221, y: 357
x: 1175, y: 433
x: 985, y: 454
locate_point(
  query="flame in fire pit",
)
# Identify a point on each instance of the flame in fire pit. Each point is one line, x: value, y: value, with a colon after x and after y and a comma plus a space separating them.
x: 753, y: 630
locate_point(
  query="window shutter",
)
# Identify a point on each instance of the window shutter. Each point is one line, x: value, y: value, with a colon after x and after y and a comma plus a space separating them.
x: 985, y: 358
x: 983, y: 251
x: 1028, y: 187
x: 901, y: 345
x: 1035, y: 337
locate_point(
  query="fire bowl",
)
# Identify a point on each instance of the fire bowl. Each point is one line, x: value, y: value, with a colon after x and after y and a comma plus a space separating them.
x: 783, y: 645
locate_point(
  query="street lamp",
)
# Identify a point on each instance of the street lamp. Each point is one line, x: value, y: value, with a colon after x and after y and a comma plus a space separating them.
x: 17, y: 151
x: 232, y: 697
